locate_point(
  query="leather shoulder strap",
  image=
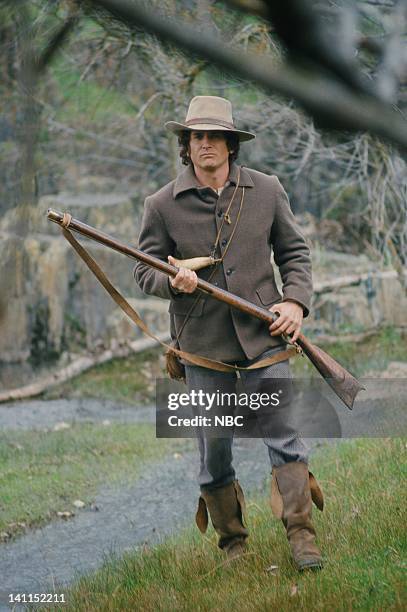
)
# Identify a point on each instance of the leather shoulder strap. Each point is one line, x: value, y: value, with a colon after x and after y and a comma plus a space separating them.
x: 198, y: 360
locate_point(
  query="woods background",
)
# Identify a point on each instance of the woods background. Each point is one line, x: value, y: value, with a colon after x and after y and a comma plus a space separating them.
x: 85, y: 90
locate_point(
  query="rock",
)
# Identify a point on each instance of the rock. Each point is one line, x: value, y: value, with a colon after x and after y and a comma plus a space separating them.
x: 112, y: 213
x: 153, y: 311
x: 65, y: 515
x: 50, y: 304
x: 61, y: 426
x: 395, y: 369
x: 79, y: 503
x: 377, y: 299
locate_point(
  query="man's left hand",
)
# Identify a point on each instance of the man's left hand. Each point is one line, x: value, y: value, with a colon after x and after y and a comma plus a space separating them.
x: 289, y: 321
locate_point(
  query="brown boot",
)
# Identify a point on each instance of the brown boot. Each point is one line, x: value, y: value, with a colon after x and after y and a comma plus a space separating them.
x: 293, y: 488
x: 227, y: 508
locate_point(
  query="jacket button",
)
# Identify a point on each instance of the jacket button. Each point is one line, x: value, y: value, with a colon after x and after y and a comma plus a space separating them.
x: 224, y: 242
x: 220, y: 214
x: 229, y: 271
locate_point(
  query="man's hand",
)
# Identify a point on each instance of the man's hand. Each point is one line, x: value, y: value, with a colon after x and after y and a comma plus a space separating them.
x: 289, y: 321
x: 186, y: 280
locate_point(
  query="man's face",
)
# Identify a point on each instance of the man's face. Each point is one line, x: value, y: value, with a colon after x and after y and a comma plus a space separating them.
x: 208, y: 150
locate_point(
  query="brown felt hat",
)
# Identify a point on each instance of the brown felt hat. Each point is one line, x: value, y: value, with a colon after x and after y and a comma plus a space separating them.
x: 209, y: 113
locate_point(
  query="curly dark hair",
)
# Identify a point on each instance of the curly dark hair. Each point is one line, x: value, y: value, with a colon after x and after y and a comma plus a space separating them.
x: 232, y: 141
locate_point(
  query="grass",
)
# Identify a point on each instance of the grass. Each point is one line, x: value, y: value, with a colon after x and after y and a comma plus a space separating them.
x: 361, y: 534
x: 129, y: 380
x: 44, y: 472
x: 373, y: 353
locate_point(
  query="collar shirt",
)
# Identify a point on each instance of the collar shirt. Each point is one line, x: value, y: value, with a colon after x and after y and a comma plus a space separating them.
x: 183, y: 219
x: 220, y: 189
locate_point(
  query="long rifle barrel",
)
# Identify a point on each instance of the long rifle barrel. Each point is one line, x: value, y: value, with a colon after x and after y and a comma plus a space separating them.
x: 340, y: 380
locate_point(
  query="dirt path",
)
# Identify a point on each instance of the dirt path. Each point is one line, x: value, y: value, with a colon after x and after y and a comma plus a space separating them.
x: 126, y: 519
x: 40, y: 414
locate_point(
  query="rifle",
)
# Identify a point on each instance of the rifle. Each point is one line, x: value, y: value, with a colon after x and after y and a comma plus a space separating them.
x: 339, y: 379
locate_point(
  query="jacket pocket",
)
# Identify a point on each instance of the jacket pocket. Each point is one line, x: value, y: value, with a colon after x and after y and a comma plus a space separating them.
x: 268, y: 294
x: 181, y: 305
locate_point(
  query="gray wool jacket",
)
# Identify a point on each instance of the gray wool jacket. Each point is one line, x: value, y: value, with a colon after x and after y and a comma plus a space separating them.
x: 182, y: 219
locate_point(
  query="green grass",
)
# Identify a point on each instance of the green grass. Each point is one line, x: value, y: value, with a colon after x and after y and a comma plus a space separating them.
x: 130, y: 380
x: 43, y: 472
x: 374, y: 353
x: 361, y: 533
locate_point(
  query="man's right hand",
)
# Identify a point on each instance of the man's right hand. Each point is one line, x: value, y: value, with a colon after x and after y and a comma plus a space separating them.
x: 185, y: 281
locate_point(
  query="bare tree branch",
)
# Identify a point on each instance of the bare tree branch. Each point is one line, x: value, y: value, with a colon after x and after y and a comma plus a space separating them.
x: 331, y: 102
x: 57, y: 40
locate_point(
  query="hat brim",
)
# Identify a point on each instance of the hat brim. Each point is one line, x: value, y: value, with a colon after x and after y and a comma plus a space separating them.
x: 175, y: 127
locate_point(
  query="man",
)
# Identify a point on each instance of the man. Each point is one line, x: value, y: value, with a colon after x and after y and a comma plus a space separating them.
x: 231, y: 217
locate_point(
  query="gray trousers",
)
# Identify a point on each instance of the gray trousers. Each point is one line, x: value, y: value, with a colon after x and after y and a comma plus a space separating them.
x: 216, y: 469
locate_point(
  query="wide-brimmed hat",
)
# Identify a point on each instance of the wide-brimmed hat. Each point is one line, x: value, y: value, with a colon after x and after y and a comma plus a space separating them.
x: 209, y: 113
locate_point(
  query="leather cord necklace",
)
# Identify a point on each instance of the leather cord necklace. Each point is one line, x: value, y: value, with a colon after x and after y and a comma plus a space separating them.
x: 216, y: 261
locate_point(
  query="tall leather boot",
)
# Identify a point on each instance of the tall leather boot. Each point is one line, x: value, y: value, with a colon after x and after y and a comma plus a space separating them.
x: 227, y: 508
x: 293, y: 488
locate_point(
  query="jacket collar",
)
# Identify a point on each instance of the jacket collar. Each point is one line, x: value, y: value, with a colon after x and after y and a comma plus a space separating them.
x: 187, y: 180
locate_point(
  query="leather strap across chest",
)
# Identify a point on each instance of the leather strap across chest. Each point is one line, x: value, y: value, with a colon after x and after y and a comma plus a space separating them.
x: 133, y: 315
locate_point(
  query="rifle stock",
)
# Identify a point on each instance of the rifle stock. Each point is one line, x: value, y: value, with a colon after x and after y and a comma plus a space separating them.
x: 340, y: 380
